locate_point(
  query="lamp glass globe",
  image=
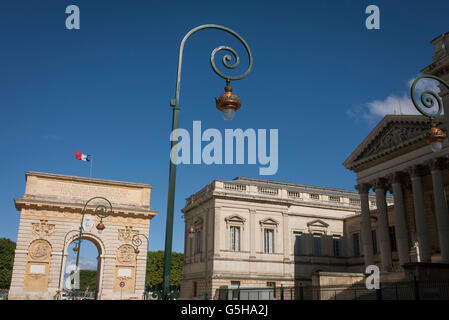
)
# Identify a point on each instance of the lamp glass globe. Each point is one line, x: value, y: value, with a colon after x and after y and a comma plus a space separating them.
x: 228, y: 114
x: 436, y: 146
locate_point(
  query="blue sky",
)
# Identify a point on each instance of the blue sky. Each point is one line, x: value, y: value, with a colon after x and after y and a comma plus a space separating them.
x: 319, y: 76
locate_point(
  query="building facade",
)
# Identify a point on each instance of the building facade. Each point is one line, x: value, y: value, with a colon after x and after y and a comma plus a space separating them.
x: 50, y: 217
x: 257, y: 233
x: 395, y: 157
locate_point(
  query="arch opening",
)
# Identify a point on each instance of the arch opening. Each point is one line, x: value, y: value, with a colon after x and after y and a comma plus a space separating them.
x: 90, y: 264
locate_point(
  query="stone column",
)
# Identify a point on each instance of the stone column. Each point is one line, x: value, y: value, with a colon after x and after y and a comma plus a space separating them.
x: 285, y: 236
x: 252, y: 235
x: 420, y: 215
x: 186, y: 237
x: 400, y: 219
x: 217, y: 231
x: 382, y: 224
x: 366, y: 224
x: 441, y: 210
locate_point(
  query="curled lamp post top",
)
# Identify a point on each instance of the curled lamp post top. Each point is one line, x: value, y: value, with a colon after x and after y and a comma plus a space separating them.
x: 428, y: 97
x: 101, y: 210
x: 226, y: 59
x: 136, y: 241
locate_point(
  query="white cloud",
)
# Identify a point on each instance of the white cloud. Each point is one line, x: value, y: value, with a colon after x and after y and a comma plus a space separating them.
x: 393, y: 104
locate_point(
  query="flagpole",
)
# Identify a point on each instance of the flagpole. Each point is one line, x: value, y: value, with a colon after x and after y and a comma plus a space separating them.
x: 91, y: 163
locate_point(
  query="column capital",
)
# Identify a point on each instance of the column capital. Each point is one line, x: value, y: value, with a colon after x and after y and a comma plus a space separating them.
x: 380, y: 183
x: 363, y: 187
x: 396, y: 178
x: 436, y: 164
x: 416, y: 171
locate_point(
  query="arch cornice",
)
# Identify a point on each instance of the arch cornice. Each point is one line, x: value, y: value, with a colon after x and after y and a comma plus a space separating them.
x: 140, y: 212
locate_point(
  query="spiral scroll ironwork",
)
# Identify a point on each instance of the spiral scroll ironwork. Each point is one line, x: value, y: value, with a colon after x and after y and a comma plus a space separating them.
x: 428, y: 97
x: 225, y: 61
x: 101, y: 210
x: 136, y: 241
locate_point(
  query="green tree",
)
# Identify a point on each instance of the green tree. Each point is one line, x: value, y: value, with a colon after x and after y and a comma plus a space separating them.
x: 155, y: 269
x: 7, y: 248
x: 88, y: 278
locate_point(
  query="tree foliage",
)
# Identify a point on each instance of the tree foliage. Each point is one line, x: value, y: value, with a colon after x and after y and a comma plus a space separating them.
x: 7, y: 248
x: 155, y: 269
x: 88, y: 278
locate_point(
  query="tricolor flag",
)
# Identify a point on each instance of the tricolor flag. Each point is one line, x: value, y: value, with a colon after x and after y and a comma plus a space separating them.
x: 82, y: 156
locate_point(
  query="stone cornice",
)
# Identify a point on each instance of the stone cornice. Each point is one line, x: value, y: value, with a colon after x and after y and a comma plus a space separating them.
x: 75, y: 207
x: 54, y: 176
x: 286, y: 202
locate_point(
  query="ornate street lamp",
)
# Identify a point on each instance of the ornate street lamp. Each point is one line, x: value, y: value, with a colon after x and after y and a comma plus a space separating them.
x: 191, y: 233
x: 137, y: 242
x: 102, y: 211
x: 228, y: 103
x: 435, y: 136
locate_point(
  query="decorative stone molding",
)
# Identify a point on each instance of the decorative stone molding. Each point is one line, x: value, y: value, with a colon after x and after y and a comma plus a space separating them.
x: 235, y: 220
x: 396, y: 178
x: 42, y: 229
x: 363, y: 188
x: 437, y: 164
x: 268, y: 223
x: 380, y: 183
x: 317, y: 226
x: 40, y: 250
x: 416, y: 171
x: 126, y: 235
x: 126, y: 255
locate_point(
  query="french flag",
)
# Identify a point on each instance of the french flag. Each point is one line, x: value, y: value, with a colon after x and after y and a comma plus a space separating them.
x: 81, y: 156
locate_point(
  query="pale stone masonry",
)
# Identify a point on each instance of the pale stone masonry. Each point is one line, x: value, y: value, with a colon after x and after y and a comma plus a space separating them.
x: 396, y: 157
x: 264, y: 233
x: 50, y: 212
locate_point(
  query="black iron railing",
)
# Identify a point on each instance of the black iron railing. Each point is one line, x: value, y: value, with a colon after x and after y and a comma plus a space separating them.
x: 403, y: 290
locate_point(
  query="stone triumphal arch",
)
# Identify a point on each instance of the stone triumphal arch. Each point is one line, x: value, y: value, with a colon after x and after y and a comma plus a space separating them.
x: 50, y: 216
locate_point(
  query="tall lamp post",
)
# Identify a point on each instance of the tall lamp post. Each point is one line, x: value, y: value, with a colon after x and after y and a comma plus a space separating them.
x: 227, y: 103
x: 435, y: 136
x: 137, y: 242
x: 62, y: 258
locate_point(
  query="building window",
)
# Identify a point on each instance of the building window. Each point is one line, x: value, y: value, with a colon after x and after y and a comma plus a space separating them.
x: 354, y: 201
x: 269, y: 241
x: 373, y: 203
x: 314, y: 196
x: 374, y: 236
x: 297, y: 243
x: 272, y: 285
x: 337, y: 245
x: 195, y: 289
x: 334, y: 198
x: 235, y: 238
x: 356, y: 244
x: 317, y: 245
x: 235, y: 284
x: 393, y: 239
x: 198, y: 242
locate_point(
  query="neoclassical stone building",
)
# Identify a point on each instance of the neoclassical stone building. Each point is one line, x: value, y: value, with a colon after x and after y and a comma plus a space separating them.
x: 50, y: 217
x: 259, y: 233
x: 395, y: 157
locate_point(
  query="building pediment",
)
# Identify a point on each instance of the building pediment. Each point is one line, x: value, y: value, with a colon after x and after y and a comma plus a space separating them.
x: 394, y: 135
x: 317, y: 226
x: 268, y: 222
x: 235, y: 218
x: 317, y: 223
